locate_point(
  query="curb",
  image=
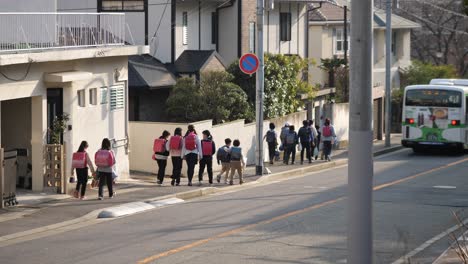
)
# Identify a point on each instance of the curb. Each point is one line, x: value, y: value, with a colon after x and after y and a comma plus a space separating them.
x: 145, y: 205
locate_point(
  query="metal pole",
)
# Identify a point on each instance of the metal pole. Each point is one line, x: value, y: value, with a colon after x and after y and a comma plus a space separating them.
x: 388, y: 73
x: 260, y: 84
x: 345, y: 30
x: 360, y: 169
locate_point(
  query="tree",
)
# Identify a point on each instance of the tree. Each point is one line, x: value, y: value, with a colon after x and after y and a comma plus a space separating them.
x: 330, y: 65
x: 422, y: 73
x: 214, y: 97
x: 444, y: 33
x: 283, y: 85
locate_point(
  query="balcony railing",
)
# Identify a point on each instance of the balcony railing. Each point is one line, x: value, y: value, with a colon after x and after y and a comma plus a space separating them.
x: 39, y: 31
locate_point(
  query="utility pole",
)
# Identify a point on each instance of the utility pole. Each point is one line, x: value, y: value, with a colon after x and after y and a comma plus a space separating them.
x: 388, y: 72
x: 360, y: 169
x: 260, y: 84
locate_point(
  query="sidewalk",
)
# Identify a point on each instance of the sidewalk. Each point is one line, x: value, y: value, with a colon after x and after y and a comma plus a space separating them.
x: 36, y: 212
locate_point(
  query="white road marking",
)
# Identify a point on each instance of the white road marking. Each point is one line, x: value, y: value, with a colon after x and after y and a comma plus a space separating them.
x: 427, y: 244
x: 444, y: 187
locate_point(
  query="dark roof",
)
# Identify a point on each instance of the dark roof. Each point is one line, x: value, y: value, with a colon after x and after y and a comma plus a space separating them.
x: 144, y: 71
x: 192, y: 61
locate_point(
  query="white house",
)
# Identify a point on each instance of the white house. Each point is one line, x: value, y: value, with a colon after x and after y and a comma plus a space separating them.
x: 172, y: 26
x: 53, y: 63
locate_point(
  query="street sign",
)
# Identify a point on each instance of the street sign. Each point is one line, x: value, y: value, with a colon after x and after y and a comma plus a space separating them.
x: 249, y: 63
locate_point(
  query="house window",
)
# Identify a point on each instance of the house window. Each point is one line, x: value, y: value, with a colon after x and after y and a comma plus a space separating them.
x: 339, y: 41
x: 184, y: 28
x: 214, y: 28
x: 104, y: 95
x: 117, y: 97
x: 81, y: 98
x: 252, y: 37
x: 122, y: 5
x: 93, y: 96
x: 285, y: 26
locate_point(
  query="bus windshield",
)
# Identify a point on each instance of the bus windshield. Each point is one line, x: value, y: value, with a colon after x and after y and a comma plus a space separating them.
x: 433, y: 97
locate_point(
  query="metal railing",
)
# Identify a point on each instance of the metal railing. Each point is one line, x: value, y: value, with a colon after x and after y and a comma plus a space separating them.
x: 37, y: 31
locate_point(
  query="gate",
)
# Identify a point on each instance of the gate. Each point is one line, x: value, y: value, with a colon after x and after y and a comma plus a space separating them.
x: 55, y: 167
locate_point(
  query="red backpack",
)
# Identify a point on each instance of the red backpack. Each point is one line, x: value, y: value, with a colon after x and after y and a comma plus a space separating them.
x: 159, y: 145
x: 175, y: 142
x: 79, y: 160
x: 207, y: 147
x: 104, y: 158
x: 327, y: 131
x: 191, y: 141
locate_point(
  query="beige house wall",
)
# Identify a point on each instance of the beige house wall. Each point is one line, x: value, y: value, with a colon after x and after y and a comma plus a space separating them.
x: 142, y: 135
x: 91, y: 123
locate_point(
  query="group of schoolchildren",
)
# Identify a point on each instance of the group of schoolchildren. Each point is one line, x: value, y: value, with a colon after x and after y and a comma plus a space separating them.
x: 104, y: 159
x: 309, y: 139
x: 192, y: 149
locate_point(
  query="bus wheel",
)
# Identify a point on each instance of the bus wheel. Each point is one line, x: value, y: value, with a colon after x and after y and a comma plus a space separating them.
x: 417, y: 150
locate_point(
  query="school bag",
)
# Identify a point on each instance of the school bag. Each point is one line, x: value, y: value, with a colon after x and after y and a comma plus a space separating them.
x: 207, y: 147
x: 291, y: 138
x: 104, y: 158
x: 159, y: 145
x: 190, y: 142
x: 79, y: 160
x: 270, y: 136
x: 175, y: 143
x: 327, y: 132
x: 222, y: 155
x: 305, y: 134
x: 236, y: 153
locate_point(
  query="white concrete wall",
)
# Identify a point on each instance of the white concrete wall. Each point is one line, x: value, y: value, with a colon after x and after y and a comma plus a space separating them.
x: 298, y: 26
x: 142, y: 135
x: 228, y: 32
x: 91, y: 123
x: 192, y: 9
x: 160, y: 46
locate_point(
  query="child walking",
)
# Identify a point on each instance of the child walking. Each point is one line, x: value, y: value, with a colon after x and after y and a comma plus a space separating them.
x: 161, y: 154
x: 206, y: 159
x: 237, y: 162
x: 105, y: 161
x: 224, y: 158
x: 81, y: 163
x: 174, y: 145
x: 191, y: 149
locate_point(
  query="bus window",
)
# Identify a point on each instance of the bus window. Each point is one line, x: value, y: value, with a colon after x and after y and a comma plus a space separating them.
x: 433, y: 97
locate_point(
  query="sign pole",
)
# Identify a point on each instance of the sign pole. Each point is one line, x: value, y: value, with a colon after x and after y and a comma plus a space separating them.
x: 388, y: 72
x: 361, y: 167
x: 260, y: 84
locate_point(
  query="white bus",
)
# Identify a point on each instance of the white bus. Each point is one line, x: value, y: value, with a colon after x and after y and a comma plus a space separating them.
x: 435, y: 116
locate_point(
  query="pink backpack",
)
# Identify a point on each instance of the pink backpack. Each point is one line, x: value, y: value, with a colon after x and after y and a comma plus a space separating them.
x: 207, y: 148
x: 159, y: 145
x: 190, y: 142
x: 79, y: 160
x: 175, y: 142
x: 327, y: 131
x: 104, y: 158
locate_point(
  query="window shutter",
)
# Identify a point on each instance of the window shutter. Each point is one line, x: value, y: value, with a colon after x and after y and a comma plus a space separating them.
x: 184, y: 28
x: 117, y: 97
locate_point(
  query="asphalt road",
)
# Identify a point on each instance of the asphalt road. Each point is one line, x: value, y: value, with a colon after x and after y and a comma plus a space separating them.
x: 301, y: 220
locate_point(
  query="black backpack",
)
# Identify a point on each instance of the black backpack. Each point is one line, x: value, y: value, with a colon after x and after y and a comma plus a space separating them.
x: 270, y: 136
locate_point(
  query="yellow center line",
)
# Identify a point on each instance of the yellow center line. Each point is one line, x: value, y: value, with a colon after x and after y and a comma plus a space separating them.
x: 284, y: 216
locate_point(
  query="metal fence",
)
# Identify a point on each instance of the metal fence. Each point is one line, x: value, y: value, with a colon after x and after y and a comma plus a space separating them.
x: 35, y: 31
